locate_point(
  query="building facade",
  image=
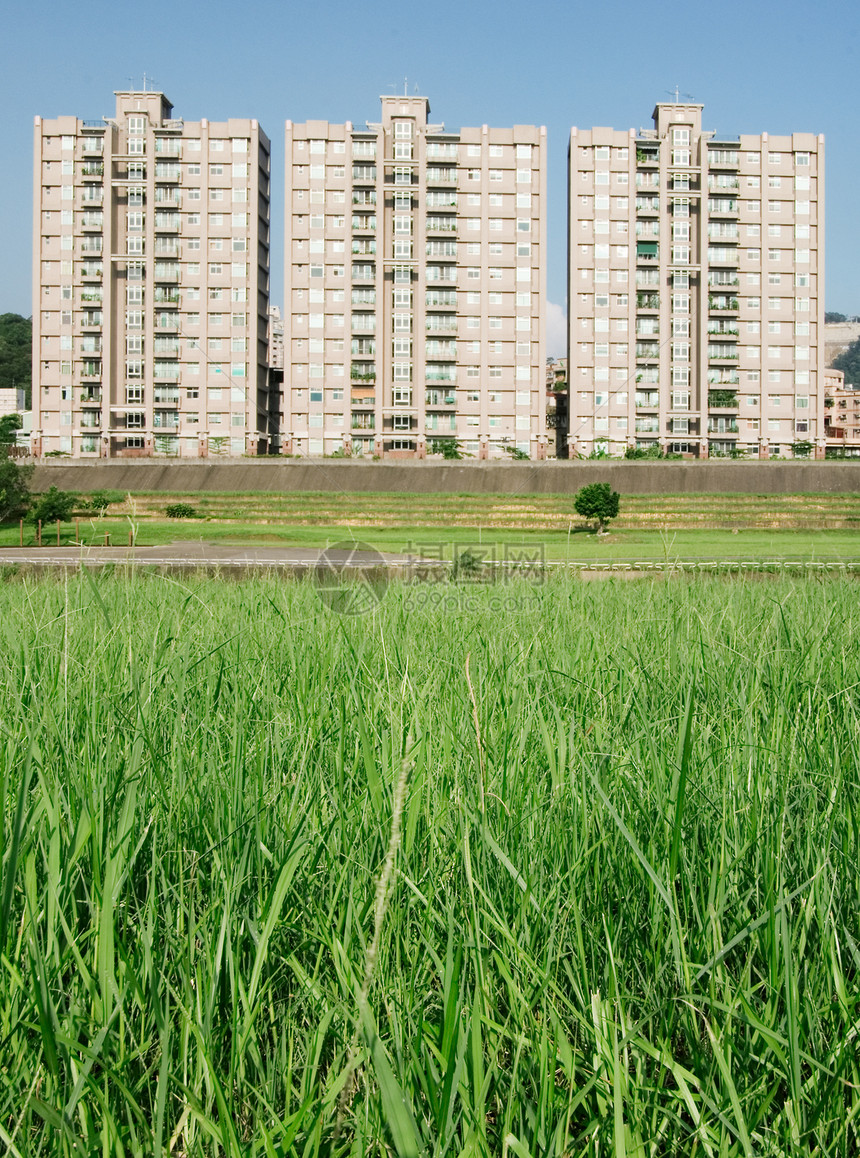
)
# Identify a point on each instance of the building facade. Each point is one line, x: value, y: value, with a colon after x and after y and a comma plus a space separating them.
x: 415, y: 281
x: 696, y: 290
x: 151, y: 282
x: 841, y: 416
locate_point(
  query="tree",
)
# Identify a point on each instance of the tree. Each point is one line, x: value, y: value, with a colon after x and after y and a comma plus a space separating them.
x: 54, y: 505
x: 849, y: 362
x: 448, y: 447
x: 832, y: 316
x: 9, y: 423
x: 597, y: 501
x: 14, y: 488
x: 16, y: 340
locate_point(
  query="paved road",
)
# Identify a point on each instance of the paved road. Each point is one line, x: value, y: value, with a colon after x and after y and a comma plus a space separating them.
x: 200, y: 554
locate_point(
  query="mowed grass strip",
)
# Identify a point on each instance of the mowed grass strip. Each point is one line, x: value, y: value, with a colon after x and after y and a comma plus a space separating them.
x: 623, y: 916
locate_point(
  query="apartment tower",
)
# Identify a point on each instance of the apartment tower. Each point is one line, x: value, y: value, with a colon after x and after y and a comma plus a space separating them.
x: 415, y: 282
x: 696, y: 281
x: 151, y: 283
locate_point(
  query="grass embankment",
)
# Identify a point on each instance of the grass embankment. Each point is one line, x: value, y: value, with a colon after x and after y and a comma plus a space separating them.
x: 624, y: 912
x: 653, y: 527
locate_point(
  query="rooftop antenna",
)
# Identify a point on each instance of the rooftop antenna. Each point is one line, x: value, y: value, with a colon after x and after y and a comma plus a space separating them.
x: 405, y: 86
x: 676, y: 93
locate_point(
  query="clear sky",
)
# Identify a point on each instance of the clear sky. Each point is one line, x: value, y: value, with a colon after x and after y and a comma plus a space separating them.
x: 756, y: 66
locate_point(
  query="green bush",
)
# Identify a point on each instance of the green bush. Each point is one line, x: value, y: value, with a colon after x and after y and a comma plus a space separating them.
x: 54, y: 505
x: 100, y: 500
x: 181, y: 511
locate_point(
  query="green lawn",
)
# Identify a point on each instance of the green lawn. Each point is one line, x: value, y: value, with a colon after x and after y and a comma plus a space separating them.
x: 580, y: 545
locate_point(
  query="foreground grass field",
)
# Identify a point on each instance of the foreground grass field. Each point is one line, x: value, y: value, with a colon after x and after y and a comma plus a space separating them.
x: 618, y: 825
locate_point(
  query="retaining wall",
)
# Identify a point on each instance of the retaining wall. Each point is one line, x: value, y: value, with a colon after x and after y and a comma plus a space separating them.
x: 336, y: 475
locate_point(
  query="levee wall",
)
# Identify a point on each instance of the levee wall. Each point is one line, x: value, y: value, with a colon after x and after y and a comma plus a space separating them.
x: 336, y: 475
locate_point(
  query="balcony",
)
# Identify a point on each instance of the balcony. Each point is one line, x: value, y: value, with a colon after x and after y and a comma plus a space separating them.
x: 165, y: 196
x: 93, y: 145
x: 92, y: 170
x: 647, y: 252
x: 723, y: 158
x: 718, y: 329
x: 364, y: 197
x: 648, y: 425
x: 165, y: 396
x: 437, y: 349
x: 647, y: 204
x: 364, y: 173
x: 166, y: 247
x: 91, y: 370
x: 364, y: 247
x: 363, y: 421
x: 647, y: 301
x: 91, y: 319
x: 722, y: 206
x: 719, y: 184
x: 722, y: 426
x: 91, y: 419
x: 362, y: 372
x: 167, y: 223
x: 441, y: 224
x: 444, y: 324
x: 647, y: 399
x: 165, y: 419
x: 722, y: 303
x: 722, y: 400
x: 363, y: 271
x: 363, y: 348
x: 439, y: 398
x: 166, y: 372
x: 726, y: 377
x: 721, y: 255
x: 166, y: 297
x: 721, y: 281
x: 166, y: 347
x: 166, y: 271
x: 92, y: 221
x: 441, y: 175
x: 92, y: 245
x: 92, y: 396
x: 165, y: 171
x: 647, y: 351
x: 167, y: 147
x: 364, y: 223
x: 440, y: 299
x: 722, y: 353
x: 92, y: 271
x: 647, y: 156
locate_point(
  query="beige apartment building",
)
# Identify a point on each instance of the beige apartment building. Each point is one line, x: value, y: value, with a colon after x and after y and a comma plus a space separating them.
x: 696, y: 282
x: 415, y: 281
x: 151, y: 282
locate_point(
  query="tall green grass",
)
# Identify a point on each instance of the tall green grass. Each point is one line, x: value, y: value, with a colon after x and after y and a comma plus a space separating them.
x: 623, y: 912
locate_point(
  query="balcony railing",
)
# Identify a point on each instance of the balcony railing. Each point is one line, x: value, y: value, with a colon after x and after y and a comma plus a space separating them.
x: 719, y: 352
x: 722, y: 426
x: 91, y: 270
x: 647, y: 399
x: 648, y: 350
x: 647, y: 301
x: 166, y: 297
x: 717, y: 329
x: 722, y: 302
x: 362, y: 373
x: 441, y: 175
x: 92, y: 169
x: 441, y: 224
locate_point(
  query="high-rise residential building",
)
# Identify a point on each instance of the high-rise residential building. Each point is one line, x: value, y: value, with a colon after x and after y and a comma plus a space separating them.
x: 150, y: 275
x: 696, y: 283
x: 415, y: 283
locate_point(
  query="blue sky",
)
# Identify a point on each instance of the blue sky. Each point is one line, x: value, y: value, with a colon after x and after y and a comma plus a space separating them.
x: 755, y: 66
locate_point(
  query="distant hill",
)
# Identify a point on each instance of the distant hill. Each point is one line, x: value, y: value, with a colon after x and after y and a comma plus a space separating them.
x: 16, y: 340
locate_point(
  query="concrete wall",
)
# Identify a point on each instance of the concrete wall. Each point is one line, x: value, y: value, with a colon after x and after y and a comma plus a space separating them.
x: 334, y: 475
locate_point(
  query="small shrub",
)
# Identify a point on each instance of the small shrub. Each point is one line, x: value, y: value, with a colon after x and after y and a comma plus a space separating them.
x: 54, y: 505
x: 181, y: 511
x: 99, y: 501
